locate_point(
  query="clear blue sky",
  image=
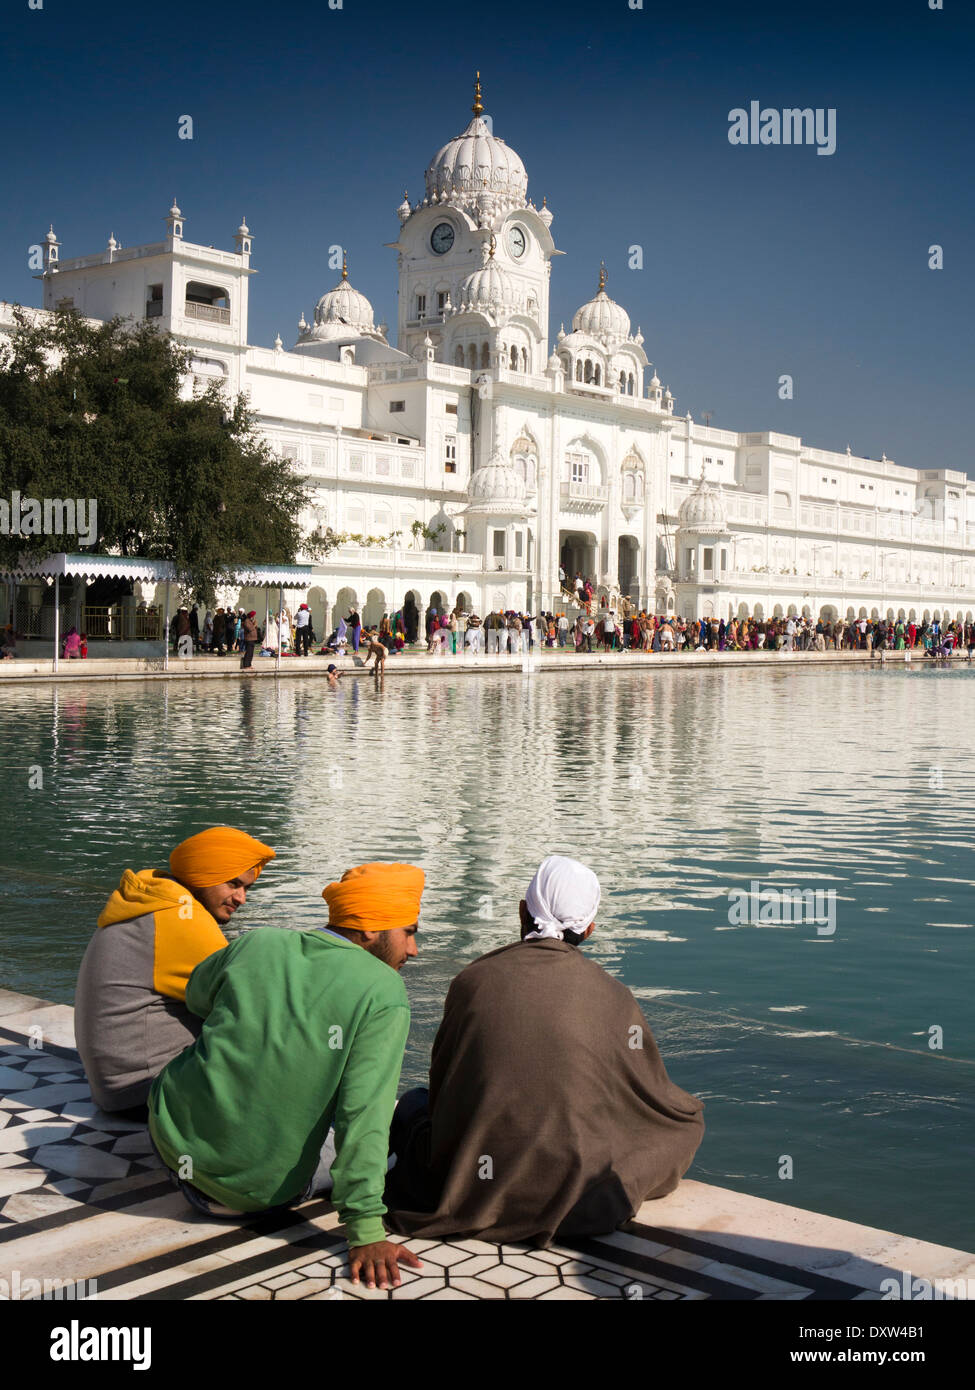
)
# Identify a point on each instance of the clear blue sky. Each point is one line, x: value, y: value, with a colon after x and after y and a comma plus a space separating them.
x: 758, y: 261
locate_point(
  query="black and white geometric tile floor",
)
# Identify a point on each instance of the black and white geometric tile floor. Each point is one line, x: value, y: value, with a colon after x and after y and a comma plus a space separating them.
x: 83, y: 1197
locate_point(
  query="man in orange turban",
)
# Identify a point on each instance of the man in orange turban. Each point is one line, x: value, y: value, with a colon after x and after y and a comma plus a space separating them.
x: 377, y: 905
x: 130, y: 1012
x: 291, y: 1088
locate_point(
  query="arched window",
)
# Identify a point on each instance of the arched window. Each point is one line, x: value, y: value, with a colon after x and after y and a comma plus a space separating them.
x: 632, y: 385
x: 514, y: 358
x: 458, y: 356
x: 578, y: 369
x: 622, y: 381
x: 524, y: 360
x: 485, y: 355
x: 597, y: 375
x: 588, y: 372
x: 471, y: 357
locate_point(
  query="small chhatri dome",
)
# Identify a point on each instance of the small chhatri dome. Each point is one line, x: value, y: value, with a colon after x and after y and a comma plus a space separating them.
x: 655, y: 381
x: 544, y: 214
x: 49, y: 236
x: 495, y: 487
x: 278, y: 344
x: 174, y: 210
x: 243, y: 229
x: 475, y: 160
x: 112, y: 243
x: 602, y: 317
x: 404, y: 210
x: 703, y: 509
x: 341, y: 310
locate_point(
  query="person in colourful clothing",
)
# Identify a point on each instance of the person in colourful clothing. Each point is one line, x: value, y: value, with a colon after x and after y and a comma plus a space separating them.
x: 302, y: 1031
x: 130, y: 1012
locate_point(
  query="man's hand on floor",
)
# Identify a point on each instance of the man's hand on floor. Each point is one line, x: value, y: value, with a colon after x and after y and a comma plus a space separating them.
x: 379, y: 1263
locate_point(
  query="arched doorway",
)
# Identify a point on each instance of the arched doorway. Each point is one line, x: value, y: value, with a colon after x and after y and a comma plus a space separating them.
x: 345, y: 601
x: 577, y: 554
x: 374, y: 608
x: 628, y: 561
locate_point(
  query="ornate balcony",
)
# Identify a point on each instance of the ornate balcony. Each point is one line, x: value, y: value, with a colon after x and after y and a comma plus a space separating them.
x: 584, y: 497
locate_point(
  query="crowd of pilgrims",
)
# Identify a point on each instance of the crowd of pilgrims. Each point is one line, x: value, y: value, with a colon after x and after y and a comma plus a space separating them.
x: 595, y: 628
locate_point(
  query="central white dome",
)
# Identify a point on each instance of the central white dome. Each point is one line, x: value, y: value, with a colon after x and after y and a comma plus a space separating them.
x: 475, y: 161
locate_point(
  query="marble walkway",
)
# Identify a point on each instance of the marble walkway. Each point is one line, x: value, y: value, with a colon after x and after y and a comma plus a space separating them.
x: 83, y: 1198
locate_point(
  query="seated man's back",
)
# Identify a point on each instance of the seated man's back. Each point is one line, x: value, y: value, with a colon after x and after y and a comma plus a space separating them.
x: 550, y: 1106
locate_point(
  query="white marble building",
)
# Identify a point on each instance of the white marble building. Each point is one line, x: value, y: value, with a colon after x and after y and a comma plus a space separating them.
x: 528, y: 451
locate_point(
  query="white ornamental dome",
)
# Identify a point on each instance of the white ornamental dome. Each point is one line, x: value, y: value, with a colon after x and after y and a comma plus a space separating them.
x: 496, y: 488
x: 602, y: 317
x: 702, y: 510
x: 487, y: 288
x: 342, y: 312
x: 474, y: 161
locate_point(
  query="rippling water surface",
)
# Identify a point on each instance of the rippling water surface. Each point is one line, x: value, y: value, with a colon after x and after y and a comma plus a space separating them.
x: 676, y: 786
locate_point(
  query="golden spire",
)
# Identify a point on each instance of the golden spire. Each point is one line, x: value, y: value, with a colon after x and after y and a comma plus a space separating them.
x: 602, y: 276
x: 345, y: 265
x: 477, y: 108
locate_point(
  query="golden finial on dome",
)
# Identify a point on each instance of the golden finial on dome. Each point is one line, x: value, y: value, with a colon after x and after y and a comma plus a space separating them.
x: 345, y: 265
x: 602, y: 276
x: 477, y: 108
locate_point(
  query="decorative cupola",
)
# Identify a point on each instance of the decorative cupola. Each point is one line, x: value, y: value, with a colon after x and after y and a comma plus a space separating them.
x: 302, y: 325
x: 544, y: 214
x: 278, y: 344
x: 404, y: 210
x: 174, y: 223
x: 51, y: 249
x: 489, y: 290
x: 602, y: 318
x: 655, y: 393
x: 112, y: 247
x: 242, y: 238
x: 476, y: 163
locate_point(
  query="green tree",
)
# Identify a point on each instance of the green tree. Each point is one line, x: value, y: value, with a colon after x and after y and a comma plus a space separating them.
x: 96, y: 411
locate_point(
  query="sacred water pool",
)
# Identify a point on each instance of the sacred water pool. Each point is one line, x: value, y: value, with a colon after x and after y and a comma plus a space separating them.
x: 676, y: 786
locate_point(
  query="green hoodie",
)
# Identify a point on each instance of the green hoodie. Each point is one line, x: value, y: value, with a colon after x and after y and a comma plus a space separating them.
x: 302, y: 1030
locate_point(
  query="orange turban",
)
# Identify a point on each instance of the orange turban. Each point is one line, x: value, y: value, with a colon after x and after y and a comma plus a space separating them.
x: 375, y: 897
x: 217, y: 856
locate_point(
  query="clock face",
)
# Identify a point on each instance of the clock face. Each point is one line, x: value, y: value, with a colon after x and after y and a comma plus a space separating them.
x: 442, y: 239
x: 517, y: 242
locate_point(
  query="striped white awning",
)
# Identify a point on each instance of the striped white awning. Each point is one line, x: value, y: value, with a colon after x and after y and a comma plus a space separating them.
x: 91, y: 567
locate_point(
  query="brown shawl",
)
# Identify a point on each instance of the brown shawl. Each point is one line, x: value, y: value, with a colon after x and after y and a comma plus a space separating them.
x: 547, y: 1116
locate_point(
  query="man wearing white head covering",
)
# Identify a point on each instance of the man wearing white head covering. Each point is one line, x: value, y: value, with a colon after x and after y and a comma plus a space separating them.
x: 560, y: 902
x: 550, y: 1113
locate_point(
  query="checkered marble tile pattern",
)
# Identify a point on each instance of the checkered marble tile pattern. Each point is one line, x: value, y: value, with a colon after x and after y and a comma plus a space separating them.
x: 83, y: 1197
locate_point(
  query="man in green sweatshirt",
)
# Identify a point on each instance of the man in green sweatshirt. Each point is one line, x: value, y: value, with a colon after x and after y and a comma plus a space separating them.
x: 302, y: 1031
